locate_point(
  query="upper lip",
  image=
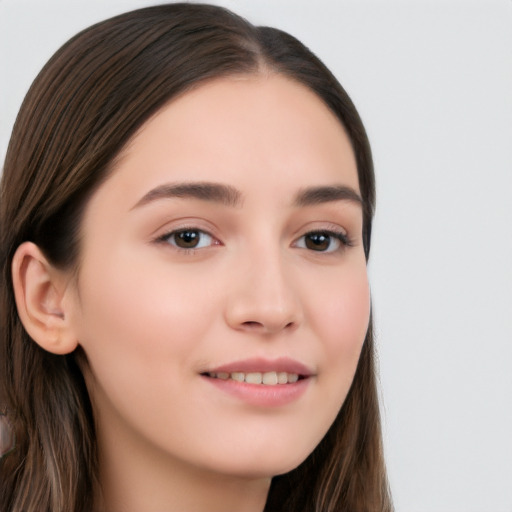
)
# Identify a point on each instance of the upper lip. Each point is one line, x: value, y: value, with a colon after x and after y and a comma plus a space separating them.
x: 282, y: 364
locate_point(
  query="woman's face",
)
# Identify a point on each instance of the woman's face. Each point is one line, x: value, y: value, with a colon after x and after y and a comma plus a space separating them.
x: 225, y: 250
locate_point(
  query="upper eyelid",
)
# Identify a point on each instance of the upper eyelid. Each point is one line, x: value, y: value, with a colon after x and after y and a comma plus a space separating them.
x: 171, y: 226
x: 167, y: 233
x: 322, y: 226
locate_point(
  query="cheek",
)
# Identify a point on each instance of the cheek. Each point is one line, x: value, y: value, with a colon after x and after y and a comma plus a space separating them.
x: 142, y: 334
x: 341, y: 321
x: 342, y: 307
x: 138, y: 323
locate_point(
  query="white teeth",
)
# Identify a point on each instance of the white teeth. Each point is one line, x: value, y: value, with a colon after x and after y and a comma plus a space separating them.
x: 267, y: 378
x: 253, y: 378
x: 270, y: 378
x: 282, y: 378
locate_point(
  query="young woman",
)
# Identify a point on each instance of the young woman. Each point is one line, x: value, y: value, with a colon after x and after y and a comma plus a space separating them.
x: 185, y: 223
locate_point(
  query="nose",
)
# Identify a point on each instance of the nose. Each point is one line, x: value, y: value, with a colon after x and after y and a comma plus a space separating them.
x: 263, y: 298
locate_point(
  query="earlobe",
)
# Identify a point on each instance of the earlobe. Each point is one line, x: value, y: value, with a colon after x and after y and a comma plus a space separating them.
x: 40, y: 291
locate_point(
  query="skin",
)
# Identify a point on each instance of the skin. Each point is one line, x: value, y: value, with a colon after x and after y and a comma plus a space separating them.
x: 151, y: 317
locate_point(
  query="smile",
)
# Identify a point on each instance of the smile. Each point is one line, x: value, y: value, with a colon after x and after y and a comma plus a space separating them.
x: 262, y: 383
x: 271, y: 378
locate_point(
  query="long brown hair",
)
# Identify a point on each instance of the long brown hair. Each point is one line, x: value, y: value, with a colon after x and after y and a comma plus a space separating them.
x: 81, y: 110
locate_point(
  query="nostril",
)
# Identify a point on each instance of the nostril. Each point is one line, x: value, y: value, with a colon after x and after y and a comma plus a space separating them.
x: 252, y: 325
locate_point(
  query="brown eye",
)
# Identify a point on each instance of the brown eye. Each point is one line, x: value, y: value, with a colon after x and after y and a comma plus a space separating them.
x: 323, y: 241
x: 189, y: 239
x: 317, y: 241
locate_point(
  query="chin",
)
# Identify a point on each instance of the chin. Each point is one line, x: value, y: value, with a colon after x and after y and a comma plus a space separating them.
x: 262, y: 465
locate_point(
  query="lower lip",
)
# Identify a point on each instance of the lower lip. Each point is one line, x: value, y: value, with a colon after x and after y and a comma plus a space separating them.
x: 262, y: 395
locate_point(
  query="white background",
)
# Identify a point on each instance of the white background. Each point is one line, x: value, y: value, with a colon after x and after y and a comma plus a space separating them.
x: 433, y: 83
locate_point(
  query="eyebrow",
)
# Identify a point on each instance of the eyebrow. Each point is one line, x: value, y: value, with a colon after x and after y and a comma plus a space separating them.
x: 325, y: 194
x: 230, y: 196
x: 204, y: 191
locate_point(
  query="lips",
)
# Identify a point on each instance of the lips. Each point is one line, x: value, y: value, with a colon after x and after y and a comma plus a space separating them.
x: 258, y: 365
x: 262, y: 382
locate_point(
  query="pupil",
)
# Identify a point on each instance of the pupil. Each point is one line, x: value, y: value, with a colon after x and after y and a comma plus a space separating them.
x: 318, y: 241
x: 187, y: 239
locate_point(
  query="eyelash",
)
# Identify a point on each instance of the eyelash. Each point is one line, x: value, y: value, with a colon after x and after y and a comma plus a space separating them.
x: 343, y: 240
x: 167, y: 237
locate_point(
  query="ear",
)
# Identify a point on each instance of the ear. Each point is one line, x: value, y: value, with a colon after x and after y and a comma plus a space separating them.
x: 40, y: 291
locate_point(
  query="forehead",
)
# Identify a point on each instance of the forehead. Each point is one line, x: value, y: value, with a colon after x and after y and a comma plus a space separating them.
x: 251, y: 131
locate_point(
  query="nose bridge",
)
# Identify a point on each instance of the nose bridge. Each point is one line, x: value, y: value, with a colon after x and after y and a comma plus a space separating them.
x: 264, y: 297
